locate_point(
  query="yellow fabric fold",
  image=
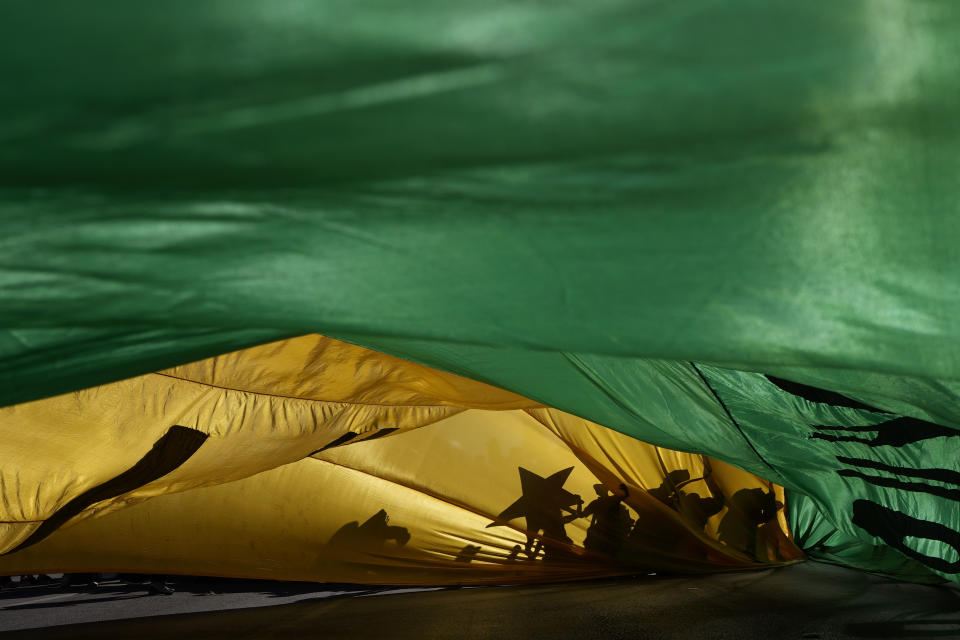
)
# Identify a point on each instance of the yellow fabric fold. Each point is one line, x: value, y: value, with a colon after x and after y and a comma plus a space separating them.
x: 272, y: 462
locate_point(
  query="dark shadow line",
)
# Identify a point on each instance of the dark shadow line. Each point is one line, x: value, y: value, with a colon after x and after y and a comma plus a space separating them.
x: 896, y: 432
x: 820, y: 396
x: 895, y: 527
x: 169, y: 452
x: 732, y: 419
x: 893, y: 483
x: 856, y: 429
x: 349, y: 437
x: 940, y: 475
x: 345, y: 438
x: 380, y: 433
x: 829, y: 438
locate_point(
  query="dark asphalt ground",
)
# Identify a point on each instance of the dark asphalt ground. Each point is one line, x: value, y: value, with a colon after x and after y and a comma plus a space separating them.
x: 807, y: 601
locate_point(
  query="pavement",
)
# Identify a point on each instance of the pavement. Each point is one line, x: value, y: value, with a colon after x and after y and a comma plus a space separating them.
x: 808, y: 601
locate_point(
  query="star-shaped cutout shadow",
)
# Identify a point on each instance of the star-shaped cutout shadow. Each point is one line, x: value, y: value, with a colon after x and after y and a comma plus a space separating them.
x: 543, y: 503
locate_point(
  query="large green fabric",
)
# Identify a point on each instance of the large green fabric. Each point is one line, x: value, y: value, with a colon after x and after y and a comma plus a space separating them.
x: 754, y: 182
x: 595, y: 193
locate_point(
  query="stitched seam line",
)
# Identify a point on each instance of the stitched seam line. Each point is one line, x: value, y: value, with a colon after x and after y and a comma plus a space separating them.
x: 277, y: 395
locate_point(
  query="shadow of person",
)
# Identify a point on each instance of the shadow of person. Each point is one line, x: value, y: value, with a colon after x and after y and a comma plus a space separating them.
x: 610, y: 523
x: 750, y: 522
x: 694, y: 508
x: 897, y: 432
x: 697, y: 510
x: 514, y: 554
x: 894, y: 528
x: 669, y: 490
x: 468, y: 553
x: 371, y: 535
x: 547, y: 508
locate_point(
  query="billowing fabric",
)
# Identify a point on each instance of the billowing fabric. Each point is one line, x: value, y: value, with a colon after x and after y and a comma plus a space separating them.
x: 479, y: 497
x: 874, y: 474
x: 884, y: 482
x: 251, y: 411
x: 824, y: 542
x: 574, y: 203
x: 313, y: 459
x: 754, y: 182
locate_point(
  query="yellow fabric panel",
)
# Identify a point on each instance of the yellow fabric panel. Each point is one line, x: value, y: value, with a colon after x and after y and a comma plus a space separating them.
x: 315, y: 367
x: 717, y: 525
x: 57, y: 449
x: 13, y: 533
x: 697, y: 490
x: 81, y: 440
x: 284, y: 524
x: 478, y: 497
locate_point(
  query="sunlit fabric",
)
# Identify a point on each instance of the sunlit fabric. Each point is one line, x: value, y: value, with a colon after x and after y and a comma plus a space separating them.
x: 727, y: 229
x: 495, y: 497
x: 253, y: 410
x: 398, y: 473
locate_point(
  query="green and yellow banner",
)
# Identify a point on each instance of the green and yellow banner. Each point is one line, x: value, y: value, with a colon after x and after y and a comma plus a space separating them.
x: 723, y: 229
